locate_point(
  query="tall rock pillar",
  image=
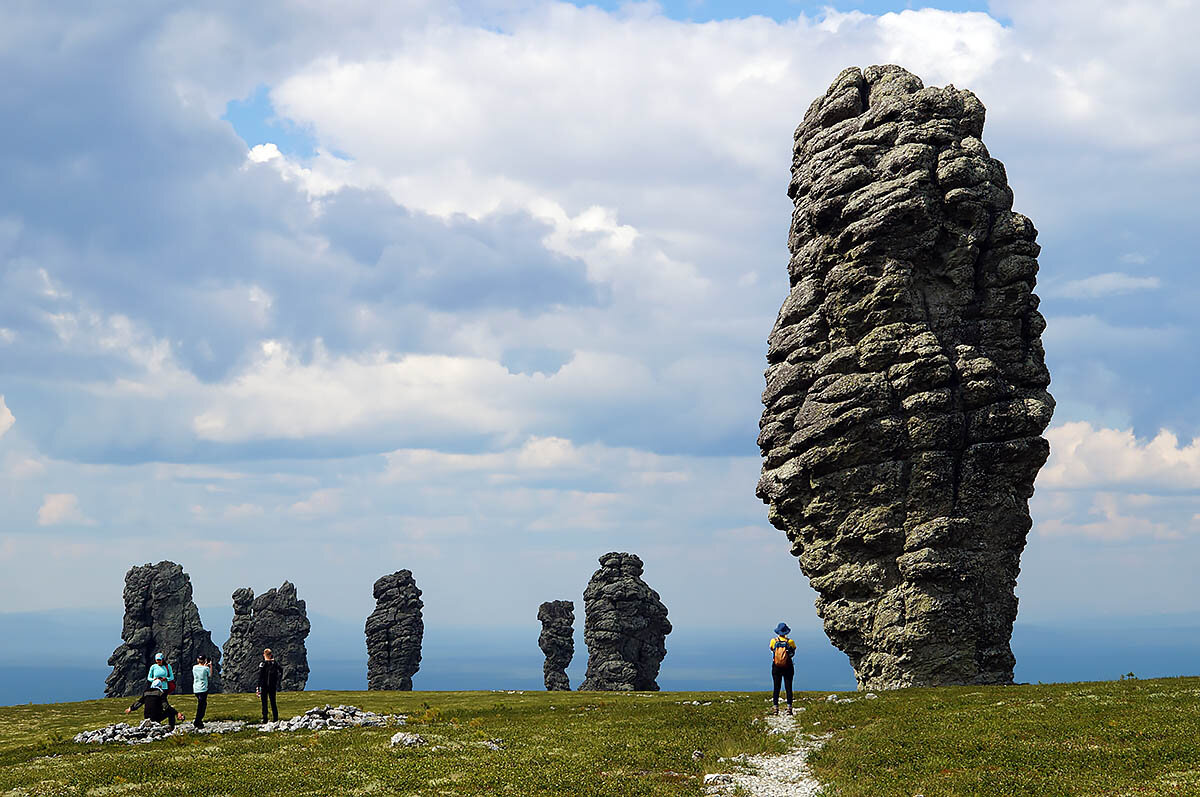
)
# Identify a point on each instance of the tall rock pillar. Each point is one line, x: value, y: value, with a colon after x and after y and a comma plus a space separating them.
x: 394, y: 632
x: 557, y: 641
x: 160, y: 617
x: 625, y: 627
x: 906, y: 385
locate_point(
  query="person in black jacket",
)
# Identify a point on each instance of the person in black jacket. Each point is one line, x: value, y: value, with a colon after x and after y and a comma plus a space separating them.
x: 269, y: 676
x: 155, y: 705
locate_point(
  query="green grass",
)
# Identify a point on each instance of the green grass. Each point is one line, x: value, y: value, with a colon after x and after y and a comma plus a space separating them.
x: 1107, y: 738
x: 1113, y: 738
x: 553, y: 744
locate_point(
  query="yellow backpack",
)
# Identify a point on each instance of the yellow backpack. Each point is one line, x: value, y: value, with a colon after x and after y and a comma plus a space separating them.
x: 783, y: 652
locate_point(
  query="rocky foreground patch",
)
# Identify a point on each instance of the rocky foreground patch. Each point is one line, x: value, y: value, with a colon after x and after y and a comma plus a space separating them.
x: 315, y: 719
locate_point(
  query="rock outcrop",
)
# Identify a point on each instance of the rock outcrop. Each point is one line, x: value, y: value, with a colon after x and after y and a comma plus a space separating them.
x: 394, y: 631
x: 557, y: 641
x: 906, y: 385
x: 278, y: 620
x: 160, y: 617
x: 625, y: 627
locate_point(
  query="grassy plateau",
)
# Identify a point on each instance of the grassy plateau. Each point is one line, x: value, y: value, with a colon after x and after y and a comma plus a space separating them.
x: 1112, y: 738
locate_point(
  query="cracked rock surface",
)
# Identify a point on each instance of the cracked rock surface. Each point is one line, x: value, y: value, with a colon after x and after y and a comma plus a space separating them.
x: 394, y: 632
x: 278, y: 620
x: 906, y: 385
x: 160, y: 617
x: 557, y: 641
x: 625, y: 627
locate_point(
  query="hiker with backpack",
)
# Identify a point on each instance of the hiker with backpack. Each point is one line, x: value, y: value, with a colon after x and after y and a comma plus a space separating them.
x: 200, y: 674
x: 270, y: 674
x: 783, y: 650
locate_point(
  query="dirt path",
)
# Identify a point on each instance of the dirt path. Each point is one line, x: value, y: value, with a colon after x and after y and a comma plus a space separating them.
x: 784, y: 775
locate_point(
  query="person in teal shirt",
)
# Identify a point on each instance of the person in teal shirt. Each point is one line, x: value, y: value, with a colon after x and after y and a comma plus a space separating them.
x: 200, y: 675
x: 161, y: 671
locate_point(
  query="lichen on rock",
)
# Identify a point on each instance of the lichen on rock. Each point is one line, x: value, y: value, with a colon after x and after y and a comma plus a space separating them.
x: 394, y: 632
x: 557, y: 642
x: 906, y: 385
x: 625, y: 627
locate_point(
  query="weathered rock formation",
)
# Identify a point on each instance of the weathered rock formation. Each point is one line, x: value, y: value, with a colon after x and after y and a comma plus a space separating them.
x: 278, y: 620
x: 394, y: 631
x: 625, y: 627
x: 160, y: 617
x: 557, y: 641
x: 906, y: 384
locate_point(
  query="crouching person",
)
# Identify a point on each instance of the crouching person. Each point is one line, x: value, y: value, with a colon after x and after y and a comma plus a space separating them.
x: 155, y: 706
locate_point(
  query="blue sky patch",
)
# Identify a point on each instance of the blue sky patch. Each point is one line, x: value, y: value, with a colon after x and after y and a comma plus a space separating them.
x: 255, y: 121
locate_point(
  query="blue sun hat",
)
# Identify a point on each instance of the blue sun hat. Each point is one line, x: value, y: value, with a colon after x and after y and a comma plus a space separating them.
x: 782, y: 628
x: 158, y: 657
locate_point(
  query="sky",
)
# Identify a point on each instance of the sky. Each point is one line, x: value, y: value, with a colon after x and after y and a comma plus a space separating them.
x: 318, y: 292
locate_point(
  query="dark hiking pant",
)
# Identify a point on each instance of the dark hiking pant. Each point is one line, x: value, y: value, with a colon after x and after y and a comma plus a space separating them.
x: 171, y: 712
x: 274, y: 710
x: 201, y: 707
x: 784, y: 674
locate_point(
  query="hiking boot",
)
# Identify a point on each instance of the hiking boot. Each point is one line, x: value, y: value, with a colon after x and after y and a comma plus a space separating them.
x: 790, y: 711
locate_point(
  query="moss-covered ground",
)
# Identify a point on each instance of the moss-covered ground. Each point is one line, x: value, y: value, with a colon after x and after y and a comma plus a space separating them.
x: 1114, y: 738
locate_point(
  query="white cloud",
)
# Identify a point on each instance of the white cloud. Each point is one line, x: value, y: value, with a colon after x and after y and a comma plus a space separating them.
x: 248, y: 510
x: 17, y: 466
x: 6, y: 417
x: 322, y: 502
x: 1091, y: 332
x: 1113, y: 283
x: 541, y: 459
x: 1083, y: 457
x: 60, y: 508
x: 1111, y: 518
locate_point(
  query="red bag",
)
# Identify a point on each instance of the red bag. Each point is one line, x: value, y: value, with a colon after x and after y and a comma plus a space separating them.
x: 170, y: 680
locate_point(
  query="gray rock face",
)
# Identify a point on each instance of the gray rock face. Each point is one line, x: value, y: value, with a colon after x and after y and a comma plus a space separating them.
x: 160, y: 617
x: 625, y: 627
x: 557, y: 641
x: 240, y: 654
x: 278, y: 620
x: 906, y: 384
x: 394, y: 632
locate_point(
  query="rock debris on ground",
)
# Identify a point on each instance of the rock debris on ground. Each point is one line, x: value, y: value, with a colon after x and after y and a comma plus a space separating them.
x: 786, y: 775
x: 315, y: 719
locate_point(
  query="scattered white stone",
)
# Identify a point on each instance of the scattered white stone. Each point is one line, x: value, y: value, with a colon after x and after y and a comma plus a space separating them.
x: 151, y: 731
x: 697, y: 755
x: 315, y: 719
x: 332, y: 718
x: 871, y: 696
x: 786, y: 775
x: 404, y: 739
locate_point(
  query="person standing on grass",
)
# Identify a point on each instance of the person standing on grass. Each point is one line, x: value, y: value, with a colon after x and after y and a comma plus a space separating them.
x: 160, y: 670
x: 782, y: 669
x: 200, y: 674
x: 269, y: 677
